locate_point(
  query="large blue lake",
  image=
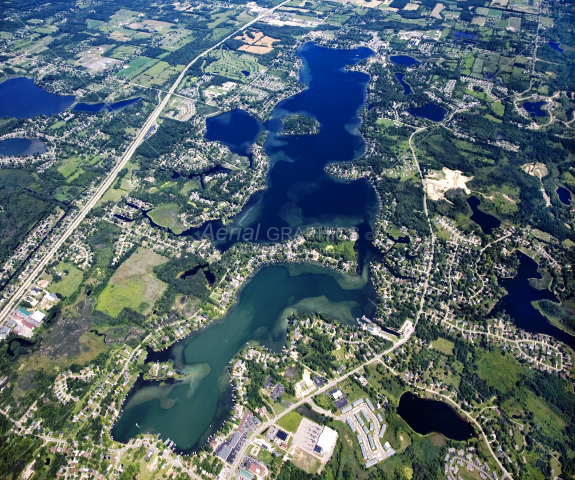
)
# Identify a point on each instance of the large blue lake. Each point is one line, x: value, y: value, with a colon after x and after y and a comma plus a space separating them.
x: 404, y: 60
x: 299, y: 192
x: 22, y: 98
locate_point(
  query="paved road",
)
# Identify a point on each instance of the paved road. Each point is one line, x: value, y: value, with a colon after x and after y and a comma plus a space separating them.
x: 16, y: 297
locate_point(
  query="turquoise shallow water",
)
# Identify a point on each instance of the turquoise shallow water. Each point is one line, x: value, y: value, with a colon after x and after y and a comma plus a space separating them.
x: 188, y: 412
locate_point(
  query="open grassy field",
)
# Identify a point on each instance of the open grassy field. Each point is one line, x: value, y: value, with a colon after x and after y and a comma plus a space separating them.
x: 133, y: 285
x: 71, y: 167
x: 499, y: 371
x: 69, y: 283
x: 443, y: 345
x: 166, y: 215
x: 137, y: 66
x: 290, y: 422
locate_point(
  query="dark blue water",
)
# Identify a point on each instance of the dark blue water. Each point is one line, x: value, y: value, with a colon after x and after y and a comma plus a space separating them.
x: 534, y: 108
x: 406, y: 86
x: 426, y: 416
x: 555, y: 46
x: 564, y: 195
x: 299, y: 192
x: 22, y: 98
x: 98, y: 107
x: 236, y: 129
x: 487, y: 222
x: 520, y: 294
x: 246, y: 73
x: 404, y: 60
x: 12, y: 147
x: 470, y: 36
x: 431, y: 111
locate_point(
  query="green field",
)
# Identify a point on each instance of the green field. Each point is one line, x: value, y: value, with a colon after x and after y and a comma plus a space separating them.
x: 166, y: 215
x: 443, y: 345
x: 133, y: 285
x: 290, y: 422
x: 499, y: 371
x: 498, y: 108
x: 137, y: 66
x: 69, y: 283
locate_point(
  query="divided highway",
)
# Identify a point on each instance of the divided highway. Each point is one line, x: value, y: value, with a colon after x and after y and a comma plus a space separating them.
x: 27, y: 282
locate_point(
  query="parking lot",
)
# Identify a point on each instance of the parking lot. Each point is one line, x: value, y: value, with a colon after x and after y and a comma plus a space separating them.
x: 307, y: 435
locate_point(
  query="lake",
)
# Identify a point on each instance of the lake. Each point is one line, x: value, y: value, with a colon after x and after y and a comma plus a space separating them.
x: 236, y: 129
x: 299, y: 193
x: 404, y: 60
x: 22, y: 98
x: 111, y: 107
x: 487, y: 222
x: 189, y: 411
x: 564, y: 195
x: 555, y: 46
x: 406, y: 86
x: 431, y: 111
x: 534, y: 109
x: 14, y: 147
x: 425, y: 416
x: 520, y: 294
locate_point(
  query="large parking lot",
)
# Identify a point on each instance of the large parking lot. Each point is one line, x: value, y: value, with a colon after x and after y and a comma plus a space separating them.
x: 307, y: 435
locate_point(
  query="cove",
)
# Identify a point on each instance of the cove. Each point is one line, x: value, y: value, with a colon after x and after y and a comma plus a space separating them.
x: 406, y: 86
x: 487, y: 222
x: 14, y: 147
x: 189, y: 411
x: 534, y: 109
x: 432, y: 112
x: 517, y: 302
x: 299, y: 193
x: 22, y: 98
x: 425, y: 416
x: 111, y: 107
x: 404, y: 60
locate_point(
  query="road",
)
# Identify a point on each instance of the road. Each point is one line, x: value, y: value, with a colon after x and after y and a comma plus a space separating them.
x: 150, y: 122
x: 328, y: 386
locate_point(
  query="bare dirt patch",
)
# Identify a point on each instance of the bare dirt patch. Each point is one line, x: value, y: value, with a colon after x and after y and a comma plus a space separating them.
x: 258, y: 43
x: 535, y: 169
x: 305, y: 461
x: 436, y: 13
x: 437, y: 183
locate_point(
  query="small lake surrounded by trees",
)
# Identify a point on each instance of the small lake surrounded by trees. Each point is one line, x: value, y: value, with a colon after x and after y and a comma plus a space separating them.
x: 431, y: 111
x: 534, y: 109
x: 406, y: 86
x: 426, y: 416
x: 556, y: 46
x: 520, y: 294
x: 22, y: 98
x: 563, y: 194
x: 14, y: 147
x: 487, y: 222
x: 190, y: 410
x: 404, y: 60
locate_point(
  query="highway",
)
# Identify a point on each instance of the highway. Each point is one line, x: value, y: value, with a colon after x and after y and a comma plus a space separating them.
x: 150, y: 122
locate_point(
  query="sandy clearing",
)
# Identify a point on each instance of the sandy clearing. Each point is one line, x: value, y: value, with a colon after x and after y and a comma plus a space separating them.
x: 436, y: 13
x: 437, y: 183
x: 535, y: 169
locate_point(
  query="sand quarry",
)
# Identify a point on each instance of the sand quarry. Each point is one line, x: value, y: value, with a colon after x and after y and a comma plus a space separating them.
x: 437, y: 183
x: 535, y: 169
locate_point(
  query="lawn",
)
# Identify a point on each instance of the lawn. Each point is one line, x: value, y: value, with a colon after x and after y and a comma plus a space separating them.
x: 133, y: 285
x: 290, y: 422
x: 69, y: 283
x: 231, y: 65
x: 443, y: 345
